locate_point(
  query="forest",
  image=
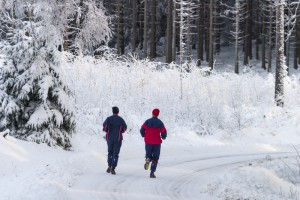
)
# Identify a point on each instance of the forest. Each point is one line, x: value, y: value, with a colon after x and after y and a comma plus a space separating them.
x: 184, y: 34
x: 175, y: 29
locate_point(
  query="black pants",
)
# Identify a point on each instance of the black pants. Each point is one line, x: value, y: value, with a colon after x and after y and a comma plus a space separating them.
x: 113, y: 152
x: 152, y: 153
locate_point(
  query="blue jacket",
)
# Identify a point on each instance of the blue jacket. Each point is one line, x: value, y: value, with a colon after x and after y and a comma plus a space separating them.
x: 114, y: 126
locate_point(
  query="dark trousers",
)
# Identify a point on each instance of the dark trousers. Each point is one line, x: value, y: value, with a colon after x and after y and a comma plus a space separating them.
x: 152, y: 153
x: 113, y: 152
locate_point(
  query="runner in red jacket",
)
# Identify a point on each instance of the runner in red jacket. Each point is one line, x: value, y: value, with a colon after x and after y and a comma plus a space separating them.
x: 153, y: 130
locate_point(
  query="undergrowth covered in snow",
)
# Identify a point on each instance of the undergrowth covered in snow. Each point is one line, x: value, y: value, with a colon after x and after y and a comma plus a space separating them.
x: 211, y: 102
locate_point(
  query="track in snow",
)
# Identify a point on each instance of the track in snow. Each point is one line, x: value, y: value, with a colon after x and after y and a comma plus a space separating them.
x: 181, y: 180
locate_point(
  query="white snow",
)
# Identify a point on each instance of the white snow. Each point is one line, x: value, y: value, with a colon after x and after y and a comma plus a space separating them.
x: 226, y: 139
x: 40, y: 117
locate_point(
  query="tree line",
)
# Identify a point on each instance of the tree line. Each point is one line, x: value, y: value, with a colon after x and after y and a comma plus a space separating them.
x: 174, y: 28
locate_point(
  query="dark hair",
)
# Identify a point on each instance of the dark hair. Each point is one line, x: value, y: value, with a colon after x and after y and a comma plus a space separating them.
x: 115, y: 110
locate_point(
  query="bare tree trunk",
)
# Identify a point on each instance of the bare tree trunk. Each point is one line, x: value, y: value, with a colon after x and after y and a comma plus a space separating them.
x: 169, y: 32
x: 188, y: 34
x: 174, y: 33
x: 66, y: 40
x: 207, y: 43
x: 200, y: 32
x: 120, y: 28
x: 217, y: 27
x: 247, y: 27
x: 211, y: 32
x: 237, y: 30
x: 145, y: 29
x: 140, y: 28
x: 181, y: 51
x: 250, y: 29
x: 153, y: 30
x: 280, y: 59
x: 257, y: 29
x: 263, y: 45
x: 270, y: 37
x: 288, y: 44
x: 181, y: 40
x: 178, y: 45
x: 297, y: 43
x: 298, y: 36
x: 134, y: 28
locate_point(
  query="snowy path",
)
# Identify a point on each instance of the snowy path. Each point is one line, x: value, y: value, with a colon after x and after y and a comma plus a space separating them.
x: 31, y: 172
x: 184, y: 179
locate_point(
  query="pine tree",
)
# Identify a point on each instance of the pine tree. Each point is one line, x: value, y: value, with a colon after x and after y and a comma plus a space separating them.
x: 34, y: 101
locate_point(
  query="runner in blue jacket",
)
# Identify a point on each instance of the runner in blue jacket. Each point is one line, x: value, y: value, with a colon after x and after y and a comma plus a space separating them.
x: 114, y: 126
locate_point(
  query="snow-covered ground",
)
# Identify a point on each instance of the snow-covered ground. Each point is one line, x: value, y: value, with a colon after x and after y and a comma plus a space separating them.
x: 193, y: 169
x: 226, y: 139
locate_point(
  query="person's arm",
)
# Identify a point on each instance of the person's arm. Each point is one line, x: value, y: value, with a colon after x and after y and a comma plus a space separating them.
x: 143, y: 130
x: 124, y: 126
x: 105, y: 125
x: 163, y: 133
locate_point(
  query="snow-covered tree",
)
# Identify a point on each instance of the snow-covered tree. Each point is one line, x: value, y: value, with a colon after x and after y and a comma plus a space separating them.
x: 86, y: 25
x: 236, y: 13
x: 186, y: 12
x: 271, y: 31
x: 280, y: 58
x: 34, y: 100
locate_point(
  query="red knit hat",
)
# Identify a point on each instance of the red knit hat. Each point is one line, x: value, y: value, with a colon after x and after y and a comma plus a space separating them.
x: 155, y: 112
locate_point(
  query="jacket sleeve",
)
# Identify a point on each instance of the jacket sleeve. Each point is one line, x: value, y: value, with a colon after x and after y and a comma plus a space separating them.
x: 124, y: 126
x: 143, y: 130
x: 105, y: 125
x: 163, y: 133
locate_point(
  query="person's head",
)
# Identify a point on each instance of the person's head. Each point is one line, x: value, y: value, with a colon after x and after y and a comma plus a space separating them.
x: 115, y: 110
x: 155, y: 112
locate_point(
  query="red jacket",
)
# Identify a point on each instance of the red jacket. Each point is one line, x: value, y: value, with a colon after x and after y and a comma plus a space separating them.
x: 153, y: 130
